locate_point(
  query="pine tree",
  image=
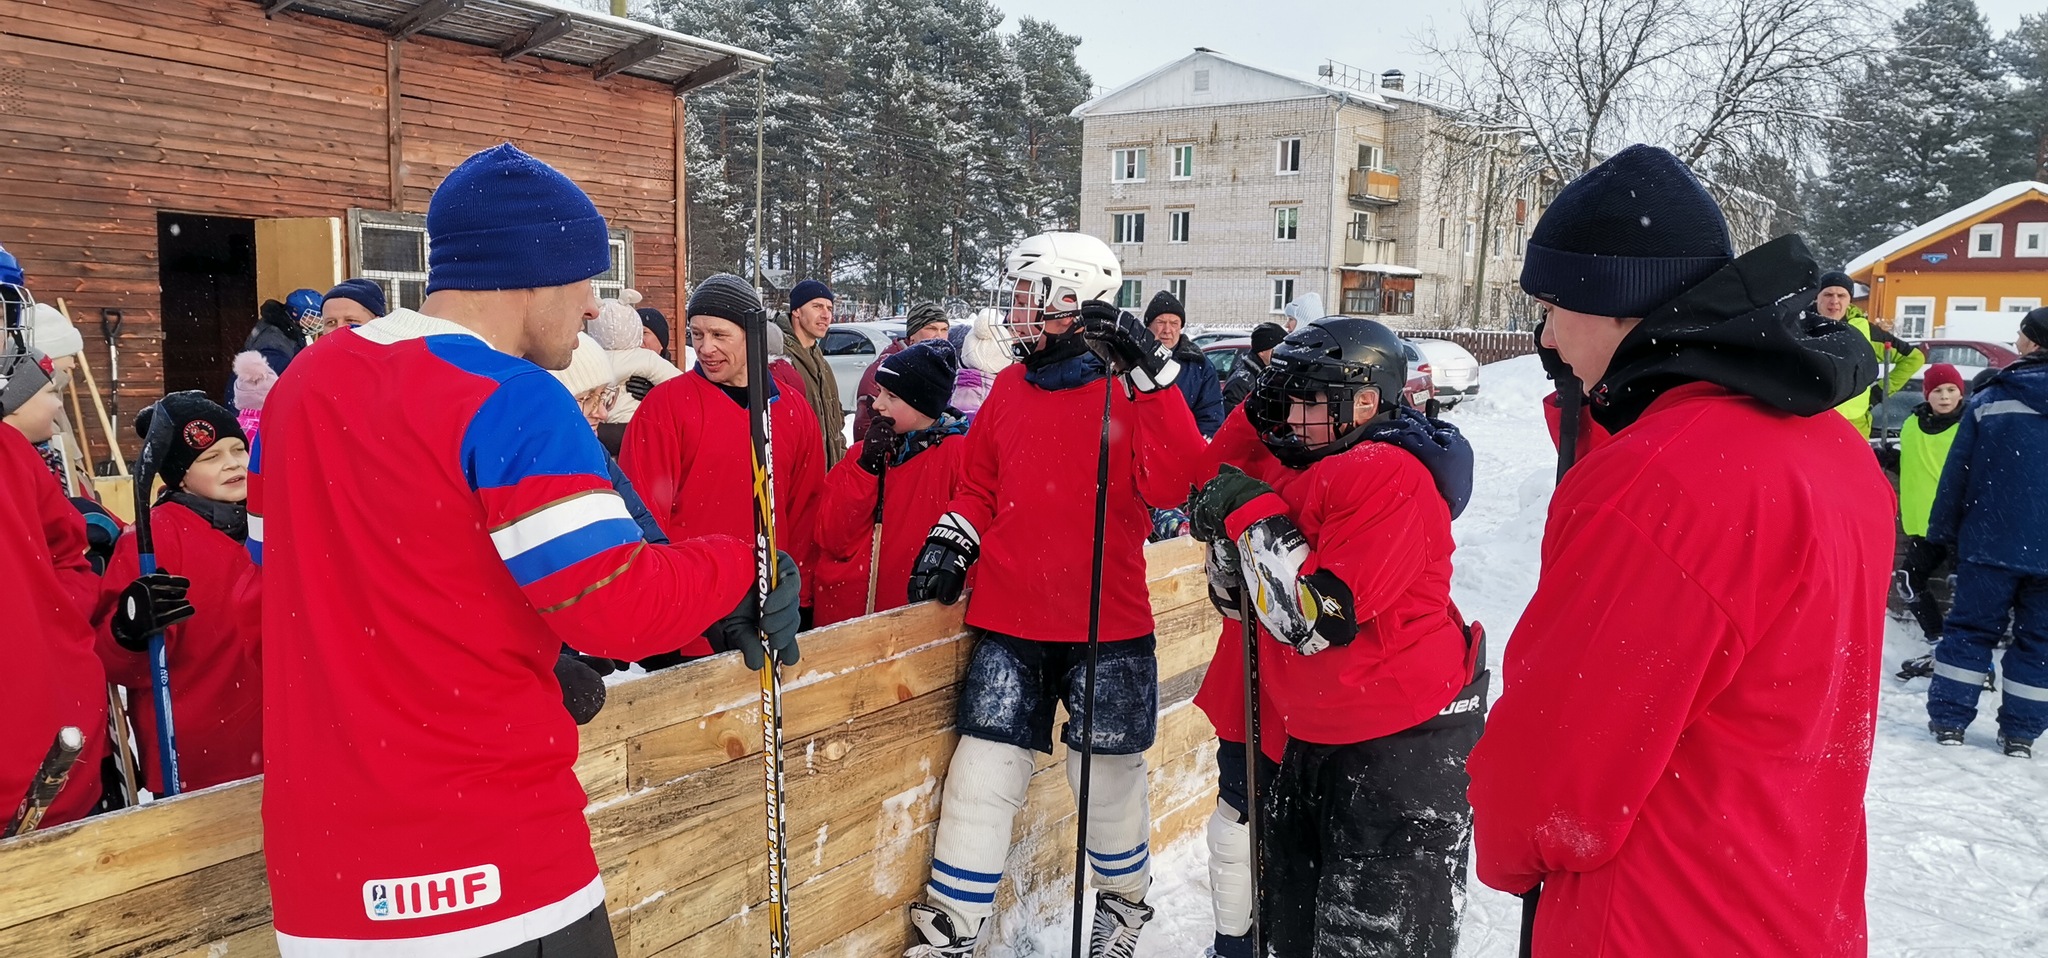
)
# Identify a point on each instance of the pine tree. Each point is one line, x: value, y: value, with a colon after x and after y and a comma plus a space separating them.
x: 2025, y: 52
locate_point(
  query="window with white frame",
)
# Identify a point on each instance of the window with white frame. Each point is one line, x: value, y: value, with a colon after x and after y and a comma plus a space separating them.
x: 1129, y: 228
x: 1131, y: 295
x: 1966, y: 304
x: 1289, y: 161
x: 2019, y: 304
x: 2030, y: 239
x: 1179, y: 289
x: 1986, y: 240
x: 1283, y: 292
x: 1286, y: 223
x: 1915, y: 315
x: 1177, y: 222
x: 1127, y: 166
x: 1183, y: 161
x: 390, y: 249
x: 1499, y: 240
x: 1443, y: 229
x: 1470, y: 237
x: 1361, y: 225
x: 1368, y: 156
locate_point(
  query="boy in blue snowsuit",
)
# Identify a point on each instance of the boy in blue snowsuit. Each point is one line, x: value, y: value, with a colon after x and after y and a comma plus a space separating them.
x: 1992, y: 508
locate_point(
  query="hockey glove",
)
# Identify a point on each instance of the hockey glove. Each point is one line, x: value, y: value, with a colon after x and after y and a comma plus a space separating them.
x: 1440, y: 447
x: 941, y: 568
x: 1148, y: 370
x: 777, y: 619
x: 878, y: 447
x: 1311, y: 611
x: 1209, y: 506
x: 1226, y: 577
x: 149, y: 605
x: 582, y: 687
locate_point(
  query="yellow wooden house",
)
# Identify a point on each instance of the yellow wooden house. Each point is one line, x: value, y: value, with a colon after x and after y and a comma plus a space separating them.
x: 1965, y: 273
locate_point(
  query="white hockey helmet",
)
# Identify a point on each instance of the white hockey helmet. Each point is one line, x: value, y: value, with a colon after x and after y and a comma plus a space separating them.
x: 1047, y: 277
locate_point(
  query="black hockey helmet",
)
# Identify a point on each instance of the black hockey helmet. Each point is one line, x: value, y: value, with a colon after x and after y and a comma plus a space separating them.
x: 1330, y: 359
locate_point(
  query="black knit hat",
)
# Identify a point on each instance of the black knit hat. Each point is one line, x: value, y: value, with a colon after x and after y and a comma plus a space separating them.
x: 1164, y: 302
x: 922, y: 375
x: 196, y: 424
x: 1626, y: 237
x: 924, y: 314
x: 1266, y: 336
x: 727, y: 297
x: 1838, y: 279
x: 652, y: 319
x: 2034, y: 326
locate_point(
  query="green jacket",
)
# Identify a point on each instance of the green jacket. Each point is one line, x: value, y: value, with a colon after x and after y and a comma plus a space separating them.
x: 1924, y: 441
x: 1902, y: 357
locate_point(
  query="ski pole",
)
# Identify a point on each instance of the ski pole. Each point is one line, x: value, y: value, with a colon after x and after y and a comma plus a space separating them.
x: 765, y: 578
x: 48, y: 781
x: 875, y: 545
x: 1250, y: 632
x: 117, y: 737
x: 1094, y: 646
x: 145, y: 554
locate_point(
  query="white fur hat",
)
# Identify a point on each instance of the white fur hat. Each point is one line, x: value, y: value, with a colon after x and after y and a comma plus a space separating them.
x: 588, y: 367
x: 253, y: 379
x: 54, y: 334
x: 617, y: 325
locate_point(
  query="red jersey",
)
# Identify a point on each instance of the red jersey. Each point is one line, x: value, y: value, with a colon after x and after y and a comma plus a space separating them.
x: 917, y: 492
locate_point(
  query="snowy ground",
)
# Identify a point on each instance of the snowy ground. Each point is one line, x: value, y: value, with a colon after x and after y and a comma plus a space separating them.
x: 1958, y: 837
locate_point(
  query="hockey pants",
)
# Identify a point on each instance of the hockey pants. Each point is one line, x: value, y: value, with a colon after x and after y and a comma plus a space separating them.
x: 587, y: 937
x: 985, y: 788
x: 1985, y: 596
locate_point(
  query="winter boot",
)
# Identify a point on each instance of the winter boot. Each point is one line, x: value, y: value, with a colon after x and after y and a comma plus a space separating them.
x: 1117, y: 923
x: 1945, y: 736
x: 940, y: 940
x: 2016, y: 747
x: 1916, y: 668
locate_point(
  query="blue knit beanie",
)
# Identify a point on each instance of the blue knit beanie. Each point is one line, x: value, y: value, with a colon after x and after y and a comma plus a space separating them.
x: 922, y: 375
x: 808, y: 290
x: 504, y: 220
x: 1626, y: 237
x: 363, y: 292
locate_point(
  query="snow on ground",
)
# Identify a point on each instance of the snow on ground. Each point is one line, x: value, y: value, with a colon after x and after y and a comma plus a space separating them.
x: 1958, y: 837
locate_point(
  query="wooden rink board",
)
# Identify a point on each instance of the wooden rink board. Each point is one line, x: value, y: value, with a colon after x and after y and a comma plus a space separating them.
x: 673, y: 769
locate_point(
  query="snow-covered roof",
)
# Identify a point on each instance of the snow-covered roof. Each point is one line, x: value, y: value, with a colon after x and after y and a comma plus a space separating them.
x: 1295, y: 87
x: 1945, y: 222
x: 1388, y: 269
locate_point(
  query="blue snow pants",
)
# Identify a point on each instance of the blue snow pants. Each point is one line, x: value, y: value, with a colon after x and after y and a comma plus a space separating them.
x: 1984, y: 598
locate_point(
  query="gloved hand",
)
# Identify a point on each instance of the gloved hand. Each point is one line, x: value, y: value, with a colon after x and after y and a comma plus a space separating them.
x: 1146, y: 368
x: 1439, y: 445
x: 149, y: 605
x: 582, y: 686
x: 878, y: 447
x: 777, y: 618
x: 1210, y: 505
x: 941, y: 568
x: 639, y: 386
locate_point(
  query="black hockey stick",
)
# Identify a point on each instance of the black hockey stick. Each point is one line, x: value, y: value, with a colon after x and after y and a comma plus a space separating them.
x: 1250, y: 631
x: 1094, y: 646
x: 49, y: 780
x: 146, y: 463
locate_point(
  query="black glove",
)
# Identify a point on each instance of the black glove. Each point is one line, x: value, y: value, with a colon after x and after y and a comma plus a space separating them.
x: 1209, y: 506
x: 1438, y: 445
x: 941, y: 568
x: 1120, y: 349
x: 149, y: 605
x: 639, y: 386
x: 582, y: 686
x: 778, y: 619
x: 878, y: 447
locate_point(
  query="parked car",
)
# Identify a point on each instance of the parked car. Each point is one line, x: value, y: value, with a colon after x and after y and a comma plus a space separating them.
x: 1204, y: 335
x: 851, y: 347
x: 1223, y: 356
x: 1454, y: 370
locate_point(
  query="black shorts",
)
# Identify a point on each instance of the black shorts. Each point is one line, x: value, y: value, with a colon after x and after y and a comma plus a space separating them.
x: 1012, y: 685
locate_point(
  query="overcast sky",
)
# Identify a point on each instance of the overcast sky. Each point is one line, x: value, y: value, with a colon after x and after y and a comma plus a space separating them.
x: 1122, y: 41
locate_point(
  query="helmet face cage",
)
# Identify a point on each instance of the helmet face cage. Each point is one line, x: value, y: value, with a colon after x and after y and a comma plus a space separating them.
x: 17, y: 327
x: 1294, y: 379
x: 1026, y: 305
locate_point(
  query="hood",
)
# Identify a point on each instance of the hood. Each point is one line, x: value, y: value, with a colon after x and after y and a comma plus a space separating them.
x: 2025, y: 380
x: 1744, y: 328
x: 1186, y: 352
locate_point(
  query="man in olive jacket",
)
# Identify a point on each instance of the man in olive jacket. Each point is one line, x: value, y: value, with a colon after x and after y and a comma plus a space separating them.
x: 810, y: 316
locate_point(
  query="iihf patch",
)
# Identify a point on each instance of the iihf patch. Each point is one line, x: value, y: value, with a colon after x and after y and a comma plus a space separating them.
x: 199, y: 434
x: 388, y: 899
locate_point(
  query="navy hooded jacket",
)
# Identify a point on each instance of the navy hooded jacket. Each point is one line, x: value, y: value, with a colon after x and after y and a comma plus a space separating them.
x: 1992, y: 504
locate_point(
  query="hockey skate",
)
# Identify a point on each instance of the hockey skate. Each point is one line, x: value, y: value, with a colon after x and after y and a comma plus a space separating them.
x: 1117, y: 923
x: 940, y: 940
x: 2016, y: 747
x: 1918, y: 667
x: 1945, y: 736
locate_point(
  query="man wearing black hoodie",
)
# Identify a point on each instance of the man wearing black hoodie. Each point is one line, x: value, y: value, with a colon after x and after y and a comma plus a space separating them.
x: 1691, y: 693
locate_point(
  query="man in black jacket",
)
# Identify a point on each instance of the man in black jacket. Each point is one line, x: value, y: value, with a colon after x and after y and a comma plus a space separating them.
x: 1245, y: 374
x: 1165, y: 316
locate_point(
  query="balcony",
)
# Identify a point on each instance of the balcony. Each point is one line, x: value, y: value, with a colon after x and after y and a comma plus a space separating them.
x: 1377, y: 187
x: 1368, y: 251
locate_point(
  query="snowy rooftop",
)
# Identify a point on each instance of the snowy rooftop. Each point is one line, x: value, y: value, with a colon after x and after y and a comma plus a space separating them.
x: 1945, y: 222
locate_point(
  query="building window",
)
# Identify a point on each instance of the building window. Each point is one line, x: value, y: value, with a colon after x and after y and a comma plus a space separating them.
x: 1130, y: 228
x: 1286, y: 222
x: 1177, y: 225
x: 2030, y: 239
x: 1914, y: 313
x: 1443, y: 229
x: 1369, y: 156
x: 1986, y: 240
x: 1201, y: 81
x: 390, y: 249
x: 1131, y: 295
x: 1469, y: 235
x: 1290, y: 157
x: 1179, y: 289
x: 1965, y: 304
x: 1361, y: 226
x: 1283, y: 292
x: 2018, y: 304
x: 1499, y: 240
x: 1127, y: 166
x: 1183, y: 161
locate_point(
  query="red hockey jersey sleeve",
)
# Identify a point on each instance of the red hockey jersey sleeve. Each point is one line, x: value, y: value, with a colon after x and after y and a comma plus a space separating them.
x: 846, y: 510
x: 566, y: 537
x: 653, y: 454
x: 1169, y: 448
x: 64, y: 529
x: 1596, y: 697
x: 982, y: 466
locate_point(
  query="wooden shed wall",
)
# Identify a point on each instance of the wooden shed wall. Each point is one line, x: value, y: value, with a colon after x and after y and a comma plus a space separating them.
x: 114, y: 110
x: 673, y: 769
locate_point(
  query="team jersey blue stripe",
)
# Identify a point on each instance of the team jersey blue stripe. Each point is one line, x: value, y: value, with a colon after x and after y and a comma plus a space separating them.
x: 965, y: 875
x: 255, y: 547
x: 530, y: 426
x: 570, y: 548
x: 970, y: 897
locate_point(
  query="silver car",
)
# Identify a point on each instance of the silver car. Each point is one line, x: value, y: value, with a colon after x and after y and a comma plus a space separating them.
x: 850, y: 348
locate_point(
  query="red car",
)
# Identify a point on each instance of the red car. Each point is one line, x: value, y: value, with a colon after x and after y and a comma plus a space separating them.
x: 1224, y: 354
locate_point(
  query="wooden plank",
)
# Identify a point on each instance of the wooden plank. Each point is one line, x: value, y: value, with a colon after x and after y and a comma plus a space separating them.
x: 257, y: 942
x: 602, y: 771
x: 167, y: 38
x: 85, y: 69
x: 394, y: 124
x: 170, y: 916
